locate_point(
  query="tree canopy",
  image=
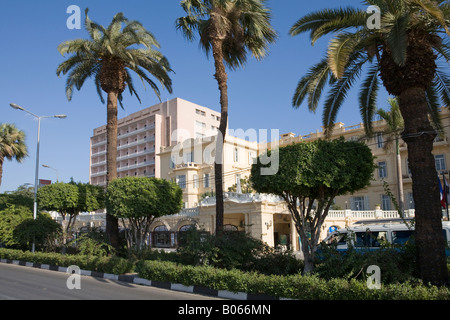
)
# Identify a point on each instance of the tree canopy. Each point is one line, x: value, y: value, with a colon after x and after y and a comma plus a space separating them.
x: 139, y: 200
x: 310, y: 176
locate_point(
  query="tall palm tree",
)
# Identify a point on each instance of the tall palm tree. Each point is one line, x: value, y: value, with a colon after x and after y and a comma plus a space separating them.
x: 394, y: 127
x: 12, y: 145
x: 108, y: 57
x: 228, y: 29
x: 404, y: 54
x: 392, y: 134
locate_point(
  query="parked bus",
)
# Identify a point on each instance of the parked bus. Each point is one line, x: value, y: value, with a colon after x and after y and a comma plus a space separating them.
x: 374, y: 234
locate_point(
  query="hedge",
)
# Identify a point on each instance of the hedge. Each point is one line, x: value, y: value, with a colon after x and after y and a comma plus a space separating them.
x: 113, y: 264
x: 294, y: 286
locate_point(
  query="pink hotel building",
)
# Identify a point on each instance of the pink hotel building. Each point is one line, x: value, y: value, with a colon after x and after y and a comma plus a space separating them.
x: 142, y: 134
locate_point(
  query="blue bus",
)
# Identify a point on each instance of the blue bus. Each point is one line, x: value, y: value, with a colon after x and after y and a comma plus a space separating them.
x: 374, y: 234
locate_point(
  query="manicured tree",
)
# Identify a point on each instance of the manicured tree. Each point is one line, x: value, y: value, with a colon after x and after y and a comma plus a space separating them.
x: 228, y: 29
x: 44, y: 231
x: 69, y: 200
x: 12, y: 145
x: 403, y: 52
x: 107, y: 58
x: 138, y: 201
x: 10, y: 218
x: 309, y: 177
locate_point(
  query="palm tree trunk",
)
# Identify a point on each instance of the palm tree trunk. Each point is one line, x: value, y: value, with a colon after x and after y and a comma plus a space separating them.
x: 112, y: 224
x: 221, y: 77
x: 419, y: 136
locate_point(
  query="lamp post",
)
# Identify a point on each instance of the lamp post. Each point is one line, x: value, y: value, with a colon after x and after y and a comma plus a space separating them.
x: 36, y: 177
x: 47, y: 166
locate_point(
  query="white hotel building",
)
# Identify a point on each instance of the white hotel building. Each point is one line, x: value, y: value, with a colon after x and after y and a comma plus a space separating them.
x: 142, y: 134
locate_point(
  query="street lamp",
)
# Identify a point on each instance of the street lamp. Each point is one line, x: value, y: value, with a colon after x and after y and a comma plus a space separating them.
x: 48, y: 167
x: 36, y: 180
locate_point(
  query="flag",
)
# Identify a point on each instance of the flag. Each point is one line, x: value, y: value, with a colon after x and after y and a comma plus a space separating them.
x: 441, y: 194
x: 447, y: 190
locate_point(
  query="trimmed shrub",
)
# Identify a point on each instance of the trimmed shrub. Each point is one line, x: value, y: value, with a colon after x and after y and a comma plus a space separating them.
x: 293, y: 286
x: 113, y: 264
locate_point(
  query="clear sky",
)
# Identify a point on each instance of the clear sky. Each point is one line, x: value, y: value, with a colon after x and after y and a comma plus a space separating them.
x: 260, y: 95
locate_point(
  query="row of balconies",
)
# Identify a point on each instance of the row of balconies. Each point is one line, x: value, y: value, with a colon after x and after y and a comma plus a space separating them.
x: 123, y: 168
x: 126, y: 135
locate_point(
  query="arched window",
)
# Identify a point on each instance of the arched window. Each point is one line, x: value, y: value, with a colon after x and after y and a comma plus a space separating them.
x: 160, y: 228
x: 161, y: 237
x: 186, y: 227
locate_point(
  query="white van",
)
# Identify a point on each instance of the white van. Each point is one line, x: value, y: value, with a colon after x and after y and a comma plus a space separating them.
x: 372, y: 234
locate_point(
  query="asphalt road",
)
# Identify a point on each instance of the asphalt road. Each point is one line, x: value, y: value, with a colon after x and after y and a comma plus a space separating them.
x: 26, y: 283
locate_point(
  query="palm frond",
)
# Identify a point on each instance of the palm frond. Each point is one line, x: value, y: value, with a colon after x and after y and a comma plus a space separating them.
x: 432, y: 98
x: 311, y: 85
x: 327, y: 21
x: 432, y: 8
x: 397, y: 37
x: 339, y: 90
x: 341, y: 47
x: 368, y: 97
x: 441, y: 84
x: 243, y: 27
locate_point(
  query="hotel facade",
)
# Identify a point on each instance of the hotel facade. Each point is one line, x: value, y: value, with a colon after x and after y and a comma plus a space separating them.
x: 142, y: 134
x: 175, y: 140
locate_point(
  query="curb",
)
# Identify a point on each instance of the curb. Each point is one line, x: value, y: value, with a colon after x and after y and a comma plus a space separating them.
x: 224, y: 294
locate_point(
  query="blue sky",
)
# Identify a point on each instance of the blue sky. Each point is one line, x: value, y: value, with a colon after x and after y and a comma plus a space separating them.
x: 259, y: 95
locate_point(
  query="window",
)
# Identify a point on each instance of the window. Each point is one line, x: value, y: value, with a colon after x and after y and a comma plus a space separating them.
x: 370, y: 238
x: 359, y: 203
x: 439, y: 160
x: 200, y: 124
x: 161, y: 237
x: 251, y: 157
x: 379, y: 139
x: 407, y: 166
x: 181, y: 181
x: 236, y: 154
x: 401, y: 237
x: 382, y: 170
x: 195, y: 181
x: 188, y: 157
x: 200, y: 112
x: 172, y: 162
x: 410, y: 200
x: 206, y: 180
x: 385, y: 202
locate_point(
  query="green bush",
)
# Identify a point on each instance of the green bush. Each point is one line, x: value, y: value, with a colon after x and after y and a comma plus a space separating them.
x: 293, y: 286
x: 92, y: 243
x: 113, y: 264
x: 235, y: 250
x: 396, y: 265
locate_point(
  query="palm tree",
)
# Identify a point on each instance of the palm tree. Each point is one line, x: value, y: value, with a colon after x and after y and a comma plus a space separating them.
x: 228, y: 29
x: 404, y: 54
x: 12, y: 145
x: 108, y: 57
x: 392, y: 133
